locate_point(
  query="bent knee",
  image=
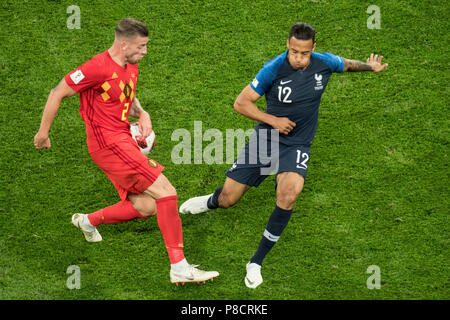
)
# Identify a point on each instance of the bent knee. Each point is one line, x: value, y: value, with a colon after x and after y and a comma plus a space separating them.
x: 169, y: 190
x: 147, y: 212
x: 166, y: 189
x: 286, y: 200
x: 286, y: 203
x: 146, y: 206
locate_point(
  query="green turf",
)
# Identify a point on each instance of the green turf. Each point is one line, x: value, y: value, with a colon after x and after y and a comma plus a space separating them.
x: 377, y: 187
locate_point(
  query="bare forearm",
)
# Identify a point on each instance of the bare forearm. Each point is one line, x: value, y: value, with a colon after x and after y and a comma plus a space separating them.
x: 251, y: 111
x: 136, y: 109
x: 356, y: 65
x: 53, y: 103
x: 144, y: 123
x: 50, y: 111
x: 245, y: 105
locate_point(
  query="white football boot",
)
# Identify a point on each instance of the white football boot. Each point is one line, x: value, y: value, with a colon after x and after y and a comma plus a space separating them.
x: 192, y: 274
x: 90, y: 233
x: 253, y: 277
x: 196, y: 205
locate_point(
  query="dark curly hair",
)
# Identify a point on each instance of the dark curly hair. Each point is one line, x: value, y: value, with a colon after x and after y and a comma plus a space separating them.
x: 303, y: 31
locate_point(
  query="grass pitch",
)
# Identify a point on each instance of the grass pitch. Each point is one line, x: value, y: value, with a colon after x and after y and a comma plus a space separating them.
x: 377, y: 188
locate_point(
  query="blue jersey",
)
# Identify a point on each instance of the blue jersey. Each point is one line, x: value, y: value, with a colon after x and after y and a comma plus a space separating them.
x: 296, y: 94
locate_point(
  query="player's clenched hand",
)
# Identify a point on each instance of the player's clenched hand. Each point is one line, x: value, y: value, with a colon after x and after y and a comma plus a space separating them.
x: 375, y: 62
x: 284, y: 125
x: 145, y: 124
x: 41, y: 141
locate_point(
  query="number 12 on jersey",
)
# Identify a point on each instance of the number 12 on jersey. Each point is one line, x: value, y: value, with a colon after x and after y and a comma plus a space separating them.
x: 286, y: 91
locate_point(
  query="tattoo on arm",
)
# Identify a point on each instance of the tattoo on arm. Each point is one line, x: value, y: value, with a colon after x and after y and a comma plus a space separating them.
x: 355, y: 65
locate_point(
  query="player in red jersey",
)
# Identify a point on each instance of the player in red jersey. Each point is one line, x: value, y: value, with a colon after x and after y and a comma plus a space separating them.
x: 107, y: 88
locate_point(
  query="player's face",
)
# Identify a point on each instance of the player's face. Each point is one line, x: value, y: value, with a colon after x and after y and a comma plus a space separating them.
x: 135, y: 49
x: 299, y: 53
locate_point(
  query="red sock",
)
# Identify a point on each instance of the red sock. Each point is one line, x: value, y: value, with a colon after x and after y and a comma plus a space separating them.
x: 119, y: 212
x: 169, y: 223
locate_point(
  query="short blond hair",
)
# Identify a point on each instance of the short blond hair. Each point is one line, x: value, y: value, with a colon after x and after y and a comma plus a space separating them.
x: 131, y: 28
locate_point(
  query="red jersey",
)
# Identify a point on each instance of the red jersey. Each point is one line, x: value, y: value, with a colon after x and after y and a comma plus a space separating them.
x: 106, y: 92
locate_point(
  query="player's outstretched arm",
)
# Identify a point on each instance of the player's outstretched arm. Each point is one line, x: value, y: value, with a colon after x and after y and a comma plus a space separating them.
x: 373, y: 63
x: 145, y: 123
x: 55, y: 97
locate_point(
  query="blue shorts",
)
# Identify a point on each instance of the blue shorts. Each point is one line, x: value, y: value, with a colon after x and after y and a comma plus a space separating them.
x: 256, y: 163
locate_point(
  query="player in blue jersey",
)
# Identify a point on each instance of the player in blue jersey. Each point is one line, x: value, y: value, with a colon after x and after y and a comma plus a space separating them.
x: 293, y: 83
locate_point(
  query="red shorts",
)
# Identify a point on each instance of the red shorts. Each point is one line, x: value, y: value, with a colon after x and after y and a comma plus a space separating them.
x: 127, y: 167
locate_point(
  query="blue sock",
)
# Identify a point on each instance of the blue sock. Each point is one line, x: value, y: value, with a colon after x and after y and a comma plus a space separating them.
x: 277, y: 222
x: 213, y: 201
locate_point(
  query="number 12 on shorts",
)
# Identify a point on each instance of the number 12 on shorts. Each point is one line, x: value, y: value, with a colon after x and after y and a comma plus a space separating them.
x: 302, y: 160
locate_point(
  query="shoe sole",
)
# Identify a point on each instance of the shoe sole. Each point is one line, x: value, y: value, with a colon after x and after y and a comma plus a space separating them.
x: 193, y: 281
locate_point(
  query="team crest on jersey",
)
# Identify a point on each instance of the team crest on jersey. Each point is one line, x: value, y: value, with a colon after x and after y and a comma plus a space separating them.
x: 319, y: 85
x: 153, y: 163
x: 127, y: 91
